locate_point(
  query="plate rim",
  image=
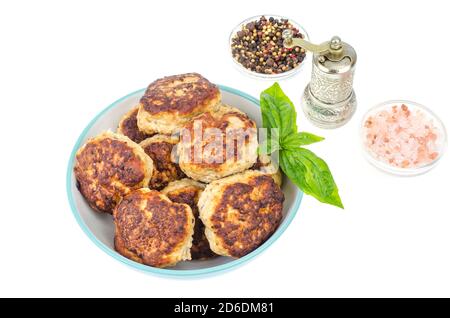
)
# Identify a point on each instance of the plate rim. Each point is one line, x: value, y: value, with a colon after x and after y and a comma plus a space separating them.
x: 163, y: 271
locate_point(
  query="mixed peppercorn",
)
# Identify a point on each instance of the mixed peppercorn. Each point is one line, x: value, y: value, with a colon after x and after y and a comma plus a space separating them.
x: 258, y: 46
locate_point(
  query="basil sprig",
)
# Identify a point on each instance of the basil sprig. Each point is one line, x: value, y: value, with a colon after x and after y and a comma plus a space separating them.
x: 307, y: 171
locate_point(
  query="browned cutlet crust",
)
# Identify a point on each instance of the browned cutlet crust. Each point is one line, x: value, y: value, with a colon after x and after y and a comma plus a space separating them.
x: 128, y: 127
x: 182, y: 94
x: 149, y: 228
x: 258, y: 164
x: 189, y: 195
x: 210, y: 120
x: 165, y: 167
x: 248, y: 214
x: 105, y: 170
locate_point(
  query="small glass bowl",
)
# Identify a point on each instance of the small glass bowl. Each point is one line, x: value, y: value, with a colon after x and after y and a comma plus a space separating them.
x: 442, y: 139
x: 253, y: 74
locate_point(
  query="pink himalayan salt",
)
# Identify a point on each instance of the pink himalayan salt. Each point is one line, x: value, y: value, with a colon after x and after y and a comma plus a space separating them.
x: 401, y: 137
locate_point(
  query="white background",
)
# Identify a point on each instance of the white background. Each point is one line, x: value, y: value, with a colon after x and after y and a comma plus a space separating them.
x: 61, y: 63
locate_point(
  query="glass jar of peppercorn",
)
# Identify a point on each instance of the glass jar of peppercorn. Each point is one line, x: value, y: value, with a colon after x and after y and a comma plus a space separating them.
x: 257, y: 49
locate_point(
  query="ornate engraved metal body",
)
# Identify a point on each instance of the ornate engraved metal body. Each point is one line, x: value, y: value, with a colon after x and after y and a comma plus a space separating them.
x: 331, y: 88
x: 328, y: 115
x: 329, y: 100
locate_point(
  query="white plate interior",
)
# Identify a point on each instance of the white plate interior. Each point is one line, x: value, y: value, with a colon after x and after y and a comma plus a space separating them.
x: 101, y: 225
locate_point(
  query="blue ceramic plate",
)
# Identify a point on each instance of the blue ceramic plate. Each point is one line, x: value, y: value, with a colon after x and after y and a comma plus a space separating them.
x: 99, y: 227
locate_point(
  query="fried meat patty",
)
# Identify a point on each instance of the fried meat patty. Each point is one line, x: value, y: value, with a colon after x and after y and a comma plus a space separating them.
x: 165, y: 166
x: 128, y: 126
x: 240, y: 212
x: 108, y: 167
x: 219, y: 144
x: 172, y: 101
x: 153, y: 230
x: 188, y: 191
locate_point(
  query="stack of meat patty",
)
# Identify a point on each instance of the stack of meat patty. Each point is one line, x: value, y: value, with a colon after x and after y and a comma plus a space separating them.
x: 181, y: 177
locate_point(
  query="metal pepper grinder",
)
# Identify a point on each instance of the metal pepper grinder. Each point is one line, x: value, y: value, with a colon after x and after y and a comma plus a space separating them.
x: 329, y: 100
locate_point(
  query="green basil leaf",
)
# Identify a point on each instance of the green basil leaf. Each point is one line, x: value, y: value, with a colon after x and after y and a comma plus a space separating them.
x: 294, y: 170
x: 278, y: 111
x: 296, y: 140
x: 311, y: 174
